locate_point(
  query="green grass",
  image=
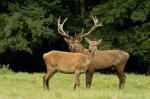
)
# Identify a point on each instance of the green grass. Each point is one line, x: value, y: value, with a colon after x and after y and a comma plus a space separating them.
x: 29, y: 86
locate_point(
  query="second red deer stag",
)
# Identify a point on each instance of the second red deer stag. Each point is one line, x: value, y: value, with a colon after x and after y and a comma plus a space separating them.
x: 67, y: 62
x: 103, y: 58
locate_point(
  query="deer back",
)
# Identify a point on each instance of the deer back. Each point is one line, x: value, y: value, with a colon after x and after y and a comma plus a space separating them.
x: 66, y: 61
x: 107, y: 58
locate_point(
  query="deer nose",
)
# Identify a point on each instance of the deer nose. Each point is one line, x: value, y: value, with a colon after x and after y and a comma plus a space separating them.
x: 90, y: 50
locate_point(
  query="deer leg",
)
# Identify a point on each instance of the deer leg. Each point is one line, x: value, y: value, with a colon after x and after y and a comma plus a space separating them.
x: 49, y: 74
x: 77, y: 80
x: 89, y: 76
x: 121, y: 76
x: 122, y: 80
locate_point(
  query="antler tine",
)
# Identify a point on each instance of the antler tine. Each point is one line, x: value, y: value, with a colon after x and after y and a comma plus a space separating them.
x: 96, y: 24
x: 93, y: 19
x: 60, y: 28
x: 82, y: 30
x: 96, y: 20
x: 64, y: 21
x: 78, y: 36
x: 59, y: 25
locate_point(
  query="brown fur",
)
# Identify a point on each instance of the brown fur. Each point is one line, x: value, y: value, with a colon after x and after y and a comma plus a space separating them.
x: 102, y: 59
x: 66, y: 62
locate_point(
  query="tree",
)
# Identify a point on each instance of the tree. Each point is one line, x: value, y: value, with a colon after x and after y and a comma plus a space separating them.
x: 25, y: 28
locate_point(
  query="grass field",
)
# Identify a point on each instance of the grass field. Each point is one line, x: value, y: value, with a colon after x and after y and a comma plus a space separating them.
x: 29, y: 86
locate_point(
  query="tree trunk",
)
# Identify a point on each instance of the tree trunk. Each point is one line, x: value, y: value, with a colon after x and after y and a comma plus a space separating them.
x: 3, y: 6
x: 82, y: 7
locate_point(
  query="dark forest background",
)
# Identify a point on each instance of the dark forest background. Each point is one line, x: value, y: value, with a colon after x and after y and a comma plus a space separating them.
x: 28, y: 28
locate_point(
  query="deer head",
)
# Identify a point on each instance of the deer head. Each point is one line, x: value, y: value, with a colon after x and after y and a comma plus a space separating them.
x: 93, y: 44
x: 75, y: 42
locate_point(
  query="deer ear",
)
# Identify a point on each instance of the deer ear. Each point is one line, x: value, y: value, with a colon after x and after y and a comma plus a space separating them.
x: 99, y: 41
x: 66, y: 39
x: 87, y: 40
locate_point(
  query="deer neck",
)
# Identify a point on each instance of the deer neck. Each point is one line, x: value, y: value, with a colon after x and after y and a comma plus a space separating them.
x: 82, y: 49
x: 91, y: 55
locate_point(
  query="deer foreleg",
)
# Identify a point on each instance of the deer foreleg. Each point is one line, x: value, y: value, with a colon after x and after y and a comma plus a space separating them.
x: 89, y: 76
x: 77, y: 80
x: 122, y: 77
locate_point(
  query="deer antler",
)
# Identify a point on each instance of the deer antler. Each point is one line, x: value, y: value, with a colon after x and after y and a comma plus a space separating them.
x: 96, y: 24
x: 60, y: 28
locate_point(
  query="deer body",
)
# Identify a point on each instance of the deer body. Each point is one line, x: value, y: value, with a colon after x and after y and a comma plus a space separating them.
x: 66, y: 62
x: 106, y: 59
x: 102, y: 59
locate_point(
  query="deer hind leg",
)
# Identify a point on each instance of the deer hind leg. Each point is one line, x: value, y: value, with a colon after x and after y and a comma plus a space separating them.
x: 77, y: 80
x: 121, y: 76
x: 49, y: 74
x: 89, y: 76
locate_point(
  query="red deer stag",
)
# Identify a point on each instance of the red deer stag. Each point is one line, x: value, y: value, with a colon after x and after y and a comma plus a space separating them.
x: 68, y: 62
x: 103, y: 58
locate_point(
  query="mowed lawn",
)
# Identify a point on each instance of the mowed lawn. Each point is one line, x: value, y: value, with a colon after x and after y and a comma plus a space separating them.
x: 104, y: 86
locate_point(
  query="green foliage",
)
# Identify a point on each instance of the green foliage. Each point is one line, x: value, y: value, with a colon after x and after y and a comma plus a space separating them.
x: 118, y: 10
x: 141, y: 39
x: 4, y: 69
x: 26, y: 27
x: 30, y: 26
x: 142, y: 11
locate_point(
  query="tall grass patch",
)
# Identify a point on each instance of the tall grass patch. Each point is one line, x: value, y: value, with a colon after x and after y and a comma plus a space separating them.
x: 104, y: 86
